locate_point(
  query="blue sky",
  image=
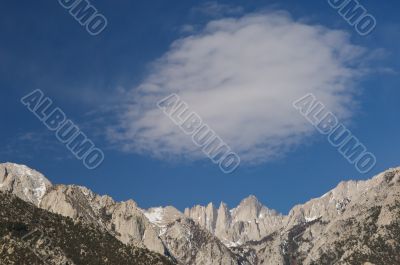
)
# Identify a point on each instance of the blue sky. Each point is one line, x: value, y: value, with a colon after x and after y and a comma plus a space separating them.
x: 90, y: 77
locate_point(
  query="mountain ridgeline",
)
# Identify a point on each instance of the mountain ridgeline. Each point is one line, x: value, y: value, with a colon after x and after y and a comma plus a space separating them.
x: 357, y: 223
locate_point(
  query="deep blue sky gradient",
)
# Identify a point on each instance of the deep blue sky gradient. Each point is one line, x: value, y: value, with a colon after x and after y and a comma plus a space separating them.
x: 42, y: 46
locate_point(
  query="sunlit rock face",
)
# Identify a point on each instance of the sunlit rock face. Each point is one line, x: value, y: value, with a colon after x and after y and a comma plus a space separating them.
x: 26, y: 183
x: 250, y: 220
x: 344, y: 226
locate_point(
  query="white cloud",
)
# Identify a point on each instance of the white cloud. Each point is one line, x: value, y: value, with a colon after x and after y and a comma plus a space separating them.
x: 241, y: 76
x: 215, y: 9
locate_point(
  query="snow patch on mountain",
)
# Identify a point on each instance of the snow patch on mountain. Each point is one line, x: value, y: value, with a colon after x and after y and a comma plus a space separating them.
x: 26, y: 183
x: 155, y: 215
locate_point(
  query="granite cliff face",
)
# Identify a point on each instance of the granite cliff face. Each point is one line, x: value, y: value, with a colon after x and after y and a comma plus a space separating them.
x: 250, y: 220
x: 30, y: 235
x: 26, y: 183
x: 355, y: 223
x: 124, y: 220
x: 162, y: 230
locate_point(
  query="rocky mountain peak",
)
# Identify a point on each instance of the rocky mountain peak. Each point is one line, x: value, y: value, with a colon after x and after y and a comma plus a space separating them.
x: 251, y: 199
x: 211, y: 235
x: 211, y: 208
x: 250, y: 220
x: 26, y: 183
x: 249, y: 208
x: 161, y: 217
x: 223, y: 205
x: 334, y: 203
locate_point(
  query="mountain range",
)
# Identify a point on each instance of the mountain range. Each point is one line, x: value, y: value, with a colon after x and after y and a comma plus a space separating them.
x: 358, y: 222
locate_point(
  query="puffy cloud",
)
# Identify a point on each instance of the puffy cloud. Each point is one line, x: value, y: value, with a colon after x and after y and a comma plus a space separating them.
x: 215, y: 9
x: 241, y: 75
